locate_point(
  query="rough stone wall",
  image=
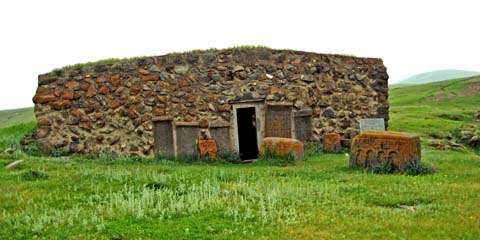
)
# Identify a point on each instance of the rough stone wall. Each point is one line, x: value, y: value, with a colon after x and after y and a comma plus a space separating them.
x: 110, y: 107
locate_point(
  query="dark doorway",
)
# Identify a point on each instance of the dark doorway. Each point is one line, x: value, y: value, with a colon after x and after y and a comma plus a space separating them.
x: 247, y: 133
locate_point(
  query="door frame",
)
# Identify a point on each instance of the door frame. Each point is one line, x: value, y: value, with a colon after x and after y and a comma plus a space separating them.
x: 259, y: 117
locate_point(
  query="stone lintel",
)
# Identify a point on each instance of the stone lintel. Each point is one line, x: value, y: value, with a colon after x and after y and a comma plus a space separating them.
x: 303, y: 113
x: 186, y: 124
x: 161, y: 119
x: 219, y: 124
x: 287, y: 104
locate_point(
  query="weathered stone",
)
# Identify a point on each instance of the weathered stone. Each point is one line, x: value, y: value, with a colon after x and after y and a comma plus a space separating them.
x: 72, y: 84
x: 307, y: 78
x: 477, y: 116
x: 43, y: 98
x: 211, y: 107
x: 61, y: 104
x: 154, y: 68
x: 372, y: 124
x: 284, y: 146
x: 14, y: 164
x: 221, y: 68
x: 331, y: 142
x: 224, y: 108
x: 114, y: 104
x: 474, y: 142
x: 104, y: 90
x: 203, y: 123
x: 238, y: 68
x: 144, y: 71
x: 92, y: 90
x: 299, y: 104
x: 100, y: 79
x: 147, y: 78
x: 159, y: 112
x: 329, y: 113
x: 181, y: 69
x: 132, y: 114
x: 374, y: 147
x: 113, y: 140
x: 207, y: 148
x: 115, y: 80
x: 44, y: 122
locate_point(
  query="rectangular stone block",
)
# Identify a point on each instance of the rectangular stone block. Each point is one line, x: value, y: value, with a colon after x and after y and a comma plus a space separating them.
x: 163, y: 137
x: 187, y: 135
x: 372, y: 124
x: 303, y: 125
x: 221, y: 134
x: 278, y: 121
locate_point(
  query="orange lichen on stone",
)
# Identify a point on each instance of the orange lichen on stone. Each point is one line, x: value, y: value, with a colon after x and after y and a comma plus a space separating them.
x: 207, y: 148
x: 372, y: 147
x: 331, y: 142
x: 284, y: 146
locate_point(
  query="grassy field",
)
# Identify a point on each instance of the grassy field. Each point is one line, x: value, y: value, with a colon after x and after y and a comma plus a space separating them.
x: 321, y: 198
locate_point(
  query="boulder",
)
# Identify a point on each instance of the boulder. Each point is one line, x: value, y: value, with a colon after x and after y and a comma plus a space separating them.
x: 373, y: 147
x: 284, y: 146
x: 477, y: 116
x: 474, y: 142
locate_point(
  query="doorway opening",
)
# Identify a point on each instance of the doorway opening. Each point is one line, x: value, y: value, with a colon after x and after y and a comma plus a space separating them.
x: 247, y: 133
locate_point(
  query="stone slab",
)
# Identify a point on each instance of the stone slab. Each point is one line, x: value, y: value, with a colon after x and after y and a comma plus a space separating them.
x: 222, y: 136
x: 284, y: 146
x: 303, y: 127
x: 372, y: 124
x: 278, y: 121
x: 163, y: 138
x: 186, y: 140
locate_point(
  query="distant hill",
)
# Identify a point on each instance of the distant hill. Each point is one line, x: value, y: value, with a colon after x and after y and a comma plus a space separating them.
x: 16, y: 116
x: 435, y: 76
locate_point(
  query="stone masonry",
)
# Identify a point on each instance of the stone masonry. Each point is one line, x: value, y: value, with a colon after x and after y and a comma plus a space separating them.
x: 109, y: 108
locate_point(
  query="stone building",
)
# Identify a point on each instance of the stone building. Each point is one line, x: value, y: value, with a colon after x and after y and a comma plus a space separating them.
x: 236, y: 96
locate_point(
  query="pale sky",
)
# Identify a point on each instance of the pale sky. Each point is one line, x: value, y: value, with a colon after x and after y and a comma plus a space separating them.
x: 410, y: 36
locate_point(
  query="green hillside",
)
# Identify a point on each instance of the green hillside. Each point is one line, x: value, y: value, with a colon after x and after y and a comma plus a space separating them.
x: 16, y: 116
x: 436, y: 110
x: 435, y: 76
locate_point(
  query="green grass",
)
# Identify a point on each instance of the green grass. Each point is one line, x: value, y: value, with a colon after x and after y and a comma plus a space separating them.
x: 108, y: 197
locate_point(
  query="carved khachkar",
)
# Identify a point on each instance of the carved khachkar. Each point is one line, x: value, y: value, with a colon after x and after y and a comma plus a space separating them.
x: 374, y: 147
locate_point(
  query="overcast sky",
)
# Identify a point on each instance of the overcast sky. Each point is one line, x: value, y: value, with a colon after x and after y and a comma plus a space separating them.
x: 410, y: 36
